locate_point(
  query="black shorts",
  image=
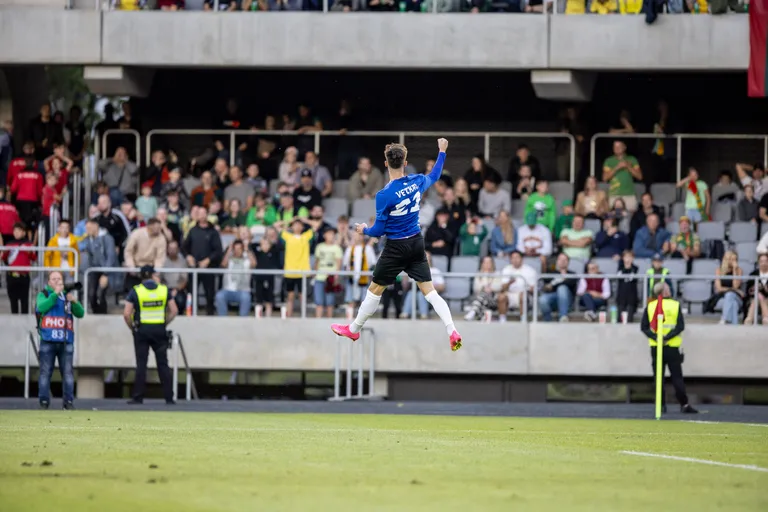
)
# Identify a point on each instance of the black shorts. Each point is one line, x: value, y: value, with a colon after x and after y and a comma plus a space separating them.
x: 406, y: 255
x: 292, y: 284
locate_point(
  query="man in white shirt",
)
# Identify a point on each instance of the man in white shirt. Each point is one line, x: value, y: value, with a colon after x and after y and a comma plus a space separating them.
x: 519, y: 279
x: 534, y: 239
x: 753, y: 175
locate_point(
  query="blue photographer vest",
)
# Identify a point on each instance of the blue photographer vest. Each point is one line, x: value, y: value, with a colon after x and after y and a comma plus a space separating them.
x: 57, y: 325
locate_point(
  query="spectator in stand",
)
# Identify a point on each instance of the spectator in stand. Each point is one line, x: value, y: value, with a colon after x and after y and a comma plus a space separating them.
x: 686, y: 244
x: 146, y: 246
x: 621, y: 171
x: 658, y: 271
x: 525, y: 185
x: 305, y: 124
x: 577, y: 241
x: 128, y: 5
x: 593, y: 292
x: 237, y: 189
x: 176, y: 281
x: 306, y: 194
x: 316, y: 220
x: 17, y: 281
x: 519, y: 281
x: 762, y: 245
x: 131, y: 214
x: 503, y: 236
x: 729, y: 290
x: 381, y: 5
x: 359, y: 257
x: 120, y: 175
x: 651, y: 239
x: 175, y: 185
x: 215, y: 213
x: 457, y: 211
x: 93, y: 213
x: 97, y: 249
x: 9, y: 217
x: 288, y: 171
x: 610, y: 242
x: 592, y: 202
x: 422, y: 306
x: 558, y: 292
x: 261, y: 214
x: 761, y: 272
x: 221, y: 174
x: 461, y: 191
x: 485, y: 287
x: 59, y: 162
x: 523, y: 158
x: 147, y: 205
x: 203, y: 249
x: 255, y: 181
x: 542, y: 204
x: 619, y: 210
x: 491, y: 199
x: 44, y: 132
x: 321, y: 178
x: 753, y: 175
x: 749, y: 209
x: 21, y: 163
x: 476, y: 177
x: 171, y: 5
x: 27, y: 188
x: 206, y: 191
x: 571, y: 124
x: 288, y: 211
x: 393, y: 295
x: 175, y: 213
x: 639, y: 217
x: 63, y: 239
x: 439, y: 239
x: 725, y: 190
x: 365, y: 181
x: 162, y: 216
x: 471, y: 236
x: 697, y: 199
x: 236, y: 287
x: 267, y: 258
x: 762, y: 208
x: 603, y: 7
x: 565, y: 219
x: 113, y: 221
x: 625, y: 124
x: 344, y: 235
x: 626, y: 297
x: 234, y: 219
x: 298, y: 242
x: 50, y: 200
x: 328, y: 258
x: 534, y: 239
x: 108, y: 123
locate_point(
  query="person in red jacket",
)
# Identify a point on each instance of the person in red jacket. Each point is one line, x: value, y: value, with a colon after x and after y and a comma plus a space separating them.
x: 18, y: 164
x: 9, y: 217
x: 27, y: 188
x: 18, y: 281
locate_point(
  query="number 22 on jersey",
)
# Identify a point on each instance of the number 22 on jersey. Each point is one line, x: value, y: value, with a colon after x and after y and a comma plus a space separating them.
x: 401, y: 208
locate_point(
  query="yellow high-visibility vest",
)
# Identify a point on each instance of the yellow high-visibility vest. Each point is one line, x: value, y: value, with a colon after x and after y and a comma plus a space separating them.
x: 152, y: 303
x: 671, y: 310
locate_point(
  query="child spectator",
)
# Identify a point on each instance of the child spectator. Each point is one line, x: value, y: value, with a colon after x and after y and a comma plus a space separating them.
x: 328, y: 257
x: 618, y: 210
x: 267, y: 258
x: 297, y: 251
x: 146, y: 205
x: 594, y: 292
x: 658, y: 274
x: 748, y: 208
x: 261, y: 214
x: 565, y: 219
x: 175, y: 185
x: 344, y: 234
x: 175, y: 214
x: 50, y: 197
x: 543, y: 205
x: 61, y: 240
x: 56, y: 167
x: 626, y: 299
x: 471, y: 236
x: 215, y: 213
x: 253, y: 179
x: 503, y: 236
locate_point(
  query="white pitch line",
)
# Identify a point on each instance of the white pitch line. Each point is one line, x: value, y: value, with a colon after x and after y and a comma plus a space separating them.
x: 725, y: 423
x: 698, y: 461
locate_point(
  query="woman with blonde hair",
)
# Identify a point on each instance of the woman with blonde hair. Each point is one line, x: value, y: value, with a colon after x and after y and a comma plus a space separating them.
x: 592, y: 202
x: 461, y: 191
x: 503, y: 236
x: 485, y: 286
x: 288, y: 172
x: 728, y: 289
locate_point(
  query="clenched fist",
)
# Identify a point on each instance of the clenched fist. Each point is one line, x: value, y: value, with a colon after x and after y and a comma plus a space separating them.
x: 442, y: 144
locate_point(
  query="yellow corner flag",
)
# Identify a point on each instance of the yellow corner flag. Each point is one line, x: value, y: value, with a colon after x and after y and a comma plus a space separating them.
x: 659, y: 364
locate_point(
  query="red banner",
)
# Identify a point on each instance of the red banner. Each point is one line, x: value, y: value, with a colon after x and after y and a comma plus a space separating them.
x: 758, y: 49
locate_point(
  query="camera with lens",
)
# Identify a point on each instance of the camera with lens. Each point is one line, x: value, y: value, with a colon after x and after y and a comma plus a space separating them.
x: 72, y: 287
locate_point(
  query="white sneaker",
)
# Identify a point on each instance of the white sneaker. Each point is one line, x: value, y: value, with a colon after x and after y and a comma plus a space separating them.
x: 590, y: 316
x: 424, y: 317
x: 721, y: 322
x: 470, y: 316
x: 502, y: 319
x: 564, y: 319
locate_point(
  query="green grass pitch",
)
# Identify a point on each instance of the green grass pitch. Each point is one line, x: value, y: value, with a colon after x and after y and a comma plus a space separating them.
x: 155, y: 461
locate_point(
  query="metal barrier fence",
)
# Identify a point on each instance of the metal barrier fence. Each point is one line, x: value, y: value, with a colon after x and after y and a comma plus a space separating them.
x: 678, y: 138
x: 367, y: 337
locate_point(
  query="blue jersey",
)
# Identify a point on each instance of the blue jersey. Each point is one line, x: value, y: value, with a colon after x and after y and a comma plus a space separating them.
x: 399, y: 202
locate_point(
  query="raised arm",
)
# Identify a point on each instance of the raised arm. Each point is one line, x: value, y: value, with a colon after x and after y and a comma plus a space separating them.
x: 437, y: 169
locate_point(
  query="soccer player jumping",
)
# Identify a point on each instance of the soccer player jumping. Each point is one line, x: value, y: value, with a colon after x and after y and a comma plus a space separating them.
x: 397, y: 217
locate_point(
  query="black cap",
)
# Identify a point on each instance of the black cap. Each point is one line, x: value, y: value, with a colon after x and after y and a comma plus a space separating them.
x: 147, y: 271
x: 306, y: 173
x: 442, y: 211
x: 658, y: 257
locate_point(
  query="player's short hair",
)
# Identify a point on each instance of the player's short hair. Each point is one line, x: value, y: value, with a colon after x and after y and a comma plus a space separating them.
x: 395, y: 155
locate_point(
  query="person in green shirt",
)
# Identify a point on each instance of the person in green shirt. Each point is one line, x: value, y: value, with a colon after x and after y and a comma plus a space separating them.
x: 621, y: 171
x: 261, y: 213
x: 288, y: 211
x: 471, y: 234
x: 565, y: 219
x: 577, y: 241
x: 698, y: 201
x: 328, y: 256
x: 543, y: 205
x: 234, y: 219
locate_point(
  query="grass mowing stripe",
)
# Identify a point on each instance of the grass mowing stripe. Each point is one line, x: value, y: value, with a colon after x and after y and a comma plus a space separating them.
x: 698, y: 461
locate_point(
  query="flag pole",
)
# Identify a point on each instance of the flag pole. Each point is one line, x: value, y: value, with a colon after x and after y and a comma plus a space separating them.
x: 659, y: 364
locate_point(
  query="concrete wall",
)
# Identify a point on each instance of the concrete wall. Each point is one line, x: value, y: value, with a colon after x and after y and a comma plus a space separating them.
x: 373, y: 40
x: 416, y: 347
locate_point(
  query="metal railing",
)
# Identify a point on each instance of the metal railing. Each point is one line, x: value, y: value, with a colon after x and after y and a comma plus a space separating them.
x: 367, y: 337
x: 31, y: 345
x: 100, y: 149
x: 42, y: 268
x: 178, y: 349
x: 400, y: 135
x: 678, y: 138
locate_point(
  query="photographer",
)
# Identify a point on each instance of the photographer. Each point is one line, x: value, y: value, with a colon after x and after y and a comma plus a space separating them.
x: 55, y: 309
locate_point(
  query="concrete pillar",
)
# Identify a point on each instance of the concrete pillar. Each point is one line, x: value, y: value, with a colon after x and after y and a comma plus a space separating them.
x: 563, y: 84
x: 380, y: 385
x: 90, y: 383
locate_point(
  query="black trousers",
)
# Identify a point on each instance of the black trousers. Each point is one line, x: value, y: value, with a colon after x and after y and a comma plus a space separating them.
x: 97, y: 296
x: 673, y: 361
x: 157, y: 339
x: 18, y: 292
x: 392, y: 295
x: 209, y: 288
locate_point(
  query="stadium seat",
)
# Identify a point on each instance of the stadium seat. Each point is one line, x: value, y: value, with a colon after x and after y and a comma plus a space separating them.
x: 714, y: 230
x: 364, y: 208
x: 722, y: 212
x: 335, y: 207
x: 465, y: 264
x: 506, y: 186
x: 673, y: 228
x: 533, y: 261
x: 642, y: 264
x: 746, y: 251
x: 440, y: 262
x: 664, y: 194
x: 561, y: 190
x: 676, y: 267
x: 697, y: 292
x: 500, y: 263
x: 226, y: 240
x: 340, y: 188
x: 605, y: 187
x: 607, y: 266
x: 705, y: 267
x: 742, y: 232
x: 639, y: 189
x: 577, y: 266
x: 460, y: 288
x: 678, y: 210
x: 518, y: 208
x: 747, y: 266
x: 489, y: 225
x: 594, y: 225
x: 624, y: 224
x: 273, y: 187
x: 764, y: 229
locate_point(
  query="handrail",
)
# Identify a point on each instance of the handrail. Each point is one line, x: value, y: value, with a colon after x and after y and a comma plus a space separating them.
x: 366, y: 335
x: 679, y: 138
x: 124, y: 131
x: 75, y: 269
x: 191, y: 389
x: 33, y: 344
x: 361, y: 133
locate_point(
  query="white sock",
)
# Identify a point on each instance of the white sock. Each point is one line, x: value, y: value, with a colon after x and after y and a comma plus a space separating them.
x: 442, y: 310
x: 367, y: 308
